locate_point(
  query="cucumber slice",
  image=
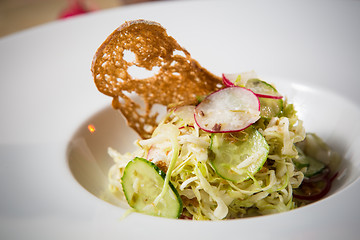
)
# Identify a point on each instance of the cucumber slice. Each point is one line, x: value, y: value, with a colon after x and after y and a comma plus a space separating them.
x: 313, y: 166
x: 236, y: 156
x: 142, y: 182
x: 271, y: 103
x: 270, y: 107
x: 301, y: 162
x: 262, y: 88
x: 313, y: 146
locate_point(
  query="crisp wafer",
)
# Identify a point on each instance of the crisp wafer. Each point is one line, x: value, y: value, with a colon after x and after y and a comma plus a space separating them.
x: 175, y: 78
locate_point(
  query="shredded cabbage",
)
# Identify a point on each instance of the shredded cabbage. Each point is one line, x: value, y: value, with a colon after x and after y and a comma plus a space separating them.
x: 181, y: 148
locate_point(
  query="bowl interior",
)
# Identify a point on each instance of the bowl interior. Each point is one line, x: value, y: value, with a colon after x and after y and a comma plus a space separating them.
x: 331, y: 116
x: 87, y: 155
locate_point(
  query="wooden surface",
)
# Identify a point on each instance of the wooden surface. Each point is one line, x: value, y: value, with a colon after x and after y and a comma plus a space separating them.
x: 17, y: 15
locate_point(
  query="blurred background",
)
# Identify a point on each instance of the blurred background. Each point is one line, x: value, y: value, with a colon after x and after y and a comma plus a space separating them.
x: 17, y: 15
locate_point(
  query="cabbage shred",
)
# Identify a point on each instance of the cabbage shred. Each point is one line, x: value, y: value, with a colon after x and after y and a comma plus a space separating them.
x: 181, y: 148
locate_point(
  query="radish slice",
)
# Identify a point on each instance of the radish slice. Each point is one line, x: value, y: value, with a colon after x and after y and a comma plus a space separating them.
x: 229, y: 79
x: 316, y: 196
x: 237, y: 79
x: 228, y: 110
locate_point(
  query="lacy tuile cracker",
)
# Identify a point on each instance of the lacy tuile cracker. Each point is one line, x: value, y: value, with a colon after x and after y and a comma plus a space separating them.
x: 175, y: 78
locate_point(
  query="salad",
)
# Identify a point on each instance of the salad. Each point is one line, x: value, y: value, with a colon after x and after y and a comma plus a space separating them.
x: 240, y: 152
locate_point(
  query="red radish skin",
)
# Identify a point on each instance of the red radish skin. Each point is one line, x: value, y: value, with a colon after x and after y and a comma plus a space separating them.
x: 226, y: 81
x: 268, y: 96
x: 183, y: 127
x: 229, y: 109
